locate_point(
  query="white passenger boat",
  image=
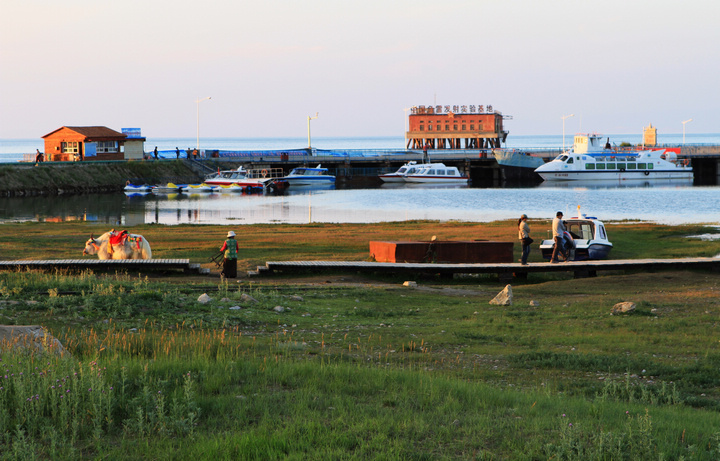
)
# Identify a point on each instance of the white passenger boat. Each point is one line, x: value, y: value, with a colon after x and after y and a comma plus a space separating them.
x: 588, y: 239
x: 304, y: 176
x: 589, y: 160
x: 397, y: 176
x: 436, y: 173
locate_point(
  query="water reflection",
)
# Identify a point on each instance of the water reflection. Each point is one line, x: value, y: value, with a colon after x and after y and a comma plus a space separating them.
x: 663, y: 202
x: 617, y: 183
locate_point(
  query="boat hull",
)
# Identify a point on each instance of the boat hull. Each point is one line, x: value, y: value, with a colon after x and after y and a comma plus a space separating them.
x: 583, y: 250
x: 424, y: 179
x: 309, y: 181
x: 614, y: 175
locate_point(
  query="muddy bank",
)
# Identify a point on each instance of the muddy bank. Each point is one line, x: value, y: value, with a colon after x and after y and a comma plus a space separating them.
x: 51, y: 178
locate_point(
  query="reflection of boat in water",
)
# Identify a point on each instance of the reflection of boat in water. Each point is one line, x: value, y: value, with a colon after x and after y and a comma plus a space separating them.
x: 310, y: 188
x: 589, y: 239
x: 232, y: 188
x: 304, y: 176
x: 397, y: 176
x: 436, y: 173
x: 588, y: 159
x: 616, y: 183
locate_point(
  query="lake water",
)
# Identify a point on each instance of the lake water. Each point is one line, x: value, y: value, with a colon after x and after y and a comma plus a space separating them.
x: 668, y: 203
x: 671, y: 203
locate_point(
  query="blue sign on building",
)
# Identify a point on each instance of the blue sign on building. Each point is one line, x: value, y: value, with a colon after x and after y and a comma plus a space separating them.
x: 132, y: 132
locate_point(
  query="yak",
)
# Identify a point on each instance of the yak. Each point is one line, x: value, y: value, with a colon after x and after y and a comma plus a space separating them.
x: 118, y: 245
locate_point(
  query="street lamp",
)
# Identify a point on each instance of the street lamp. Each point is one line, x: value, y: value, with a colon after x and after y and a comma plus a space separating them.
x: 198, y: 101
x: 563, y: 119
x: 686, y: 121
x: 310, y: 118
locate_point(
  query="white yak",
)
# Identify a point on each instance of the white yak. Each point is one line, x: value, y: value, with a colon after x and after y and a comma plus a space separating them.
x: 123, y: 246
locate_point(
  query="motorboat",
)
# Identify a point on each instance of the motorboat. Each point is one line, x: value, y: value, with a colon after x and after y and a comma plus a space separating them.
x: 196, y: 188
x: 229, y: 188
x: 134, y: 188
x: 436, y: 173
x: 517, y: 158
x: 242, y: 177
x: 589, y: 159
x: 585, y: 238
x: 167, y: 188
x: 305, y: 176
x: 397, y: 176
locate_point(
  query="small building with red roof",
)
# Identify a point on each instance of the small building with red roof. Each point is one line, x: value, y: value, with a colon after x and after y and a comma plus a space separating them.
x: 87, y: 143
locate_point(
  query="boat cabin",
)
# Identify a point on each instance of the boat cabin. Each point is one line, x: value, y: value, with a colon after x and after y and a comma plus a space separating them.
x: 588, y: 144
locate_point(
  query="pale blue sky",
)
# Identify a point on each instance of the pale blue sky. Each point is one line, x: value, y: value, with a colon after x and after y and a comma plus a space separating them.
x: 618, y: 65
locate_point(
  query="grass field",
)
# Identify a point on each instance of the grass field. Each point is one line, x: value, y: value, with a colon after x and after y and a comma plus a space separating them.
x: 335, y: 366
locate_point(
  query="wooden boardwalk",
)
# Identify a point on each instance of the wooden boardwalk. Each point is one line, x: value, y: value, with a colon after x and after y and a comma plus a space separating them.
x: 505, y: 271
x: 183, y: 265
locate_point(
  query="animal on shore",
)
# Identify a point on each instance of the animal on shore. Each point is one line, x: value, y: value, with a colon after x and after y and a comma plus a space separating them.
x: 123, y: 246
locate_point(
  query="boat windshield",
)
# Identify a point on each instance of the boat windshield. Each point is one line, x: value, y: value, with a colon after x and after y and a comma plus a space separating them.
x: 582, y: 230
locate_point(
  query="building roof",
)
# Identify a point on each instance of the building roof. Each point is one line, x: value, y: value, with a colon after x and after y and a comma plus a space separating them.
x: 91, y: 132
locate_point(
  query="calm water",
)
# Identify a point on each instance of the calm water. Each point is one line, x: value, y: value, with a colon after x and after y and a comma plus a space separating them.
x: 659, y: 202
x: 662, y: 203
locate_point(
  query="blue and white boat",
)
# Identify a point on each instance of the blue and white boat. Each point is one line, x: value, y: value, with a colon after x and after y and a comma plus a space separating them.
x: 590, y: 160
x: 586, y: 238
x: 436, y: 173
x: 304, y: 176
x: 134, y: 188
x: 397, y: 176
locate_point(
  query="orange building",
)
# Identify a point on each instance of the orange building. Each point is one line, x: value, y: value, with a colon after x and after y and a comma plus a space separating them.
x: 75, y: 143
x: 455, y: 127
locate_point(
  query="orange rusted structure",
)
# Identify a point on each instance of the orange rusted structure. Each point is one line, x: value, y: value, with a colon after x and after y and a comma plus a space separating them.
x: 461, y: 251
x: 455, y: 127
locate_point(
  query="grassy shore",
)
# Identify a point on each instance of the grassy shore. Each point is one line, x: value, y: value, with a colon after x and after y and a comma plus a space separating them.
x: 338, y: 367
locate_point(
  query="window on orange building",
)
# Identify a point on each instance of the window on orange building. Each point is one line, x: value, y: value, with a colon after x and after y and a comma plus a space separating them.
x: 429, y: 127
x: 464, y: 127
x: 69, y: 147
x: 447, y: 127
x: 472, y: 127
x: 455, y: 127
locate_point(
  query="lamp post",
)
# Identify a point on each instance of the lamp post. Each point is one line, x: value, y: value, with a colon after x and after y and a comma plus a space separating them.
x: 308, y: 121
x: 563, y: 119
x: 197, y: 140
x: 686, y: 121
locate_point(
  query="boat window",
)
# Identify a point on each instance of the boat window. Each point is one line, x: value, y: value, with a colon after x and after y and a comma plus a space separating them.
x: 631, y: 159
x: 431, y: 171
x: 570, y: 160
x: 402, y: 170
x: 610, y: 166
x: 589, y: 166
x: 599, y: 166
x: 621, y: 166
x: 441, y: 172
x: 601, y: 232
x: 650, y: 166
x: 631, y: 166
x: 562, y: 158
x: 642, y: 166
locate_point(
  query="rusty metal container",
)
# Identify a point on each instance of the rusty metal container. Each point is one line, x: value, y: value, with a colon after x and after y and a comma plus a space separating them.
x: 449, y: 252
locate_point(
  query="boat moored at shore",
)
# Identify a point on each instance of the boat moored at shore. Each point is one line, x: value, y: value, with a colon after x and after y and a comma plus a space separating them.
x: 305, y: 176
x: 589, y: 160
x: 398, y: 176
x: 436, y: 173
x: 586, y: 238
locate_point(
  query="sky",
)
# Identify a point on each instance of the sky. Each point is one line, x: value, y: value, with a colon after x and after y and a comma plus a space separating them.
x: 267, y: 65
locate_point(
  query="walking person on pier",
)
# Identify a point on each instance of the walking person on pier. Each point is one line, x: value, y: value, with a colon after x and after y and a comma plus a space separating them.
x: 558, y: 230
x: 525, y: 240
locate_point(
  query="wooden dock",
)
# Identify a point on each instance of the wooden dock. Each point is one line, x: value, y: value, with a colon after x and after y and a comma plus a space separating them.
x: 149, y: 265
x: 505, y: 271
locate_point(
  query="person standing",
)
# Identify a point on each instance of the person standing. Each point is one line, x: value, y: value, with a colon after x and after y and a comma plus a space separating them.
x: 177, y: 153
x: 230, y: 248
x: 155, y: 153
x: 525, y: 240
x: 558, y: 230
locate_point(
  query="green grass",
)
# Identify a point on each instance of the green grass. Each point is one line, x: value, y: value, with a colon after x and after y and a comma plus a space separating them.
x: 362, y: 371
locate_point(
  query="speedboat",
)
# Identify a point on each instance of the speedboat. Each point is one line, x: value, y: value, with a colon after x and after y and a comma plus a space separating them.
x: 304, y: 176
x: 196, y: 188
x: 397, y: 176
x: 242, y: 177
x: 167, y: 188
x: 436, y: 173
x: 585, y: 238
x: 133, y: 188
x: 588, y: 159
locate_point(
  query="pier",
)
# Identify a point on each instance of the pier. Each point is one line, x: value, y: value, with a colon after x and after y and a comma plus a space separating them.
x: 505, y: 271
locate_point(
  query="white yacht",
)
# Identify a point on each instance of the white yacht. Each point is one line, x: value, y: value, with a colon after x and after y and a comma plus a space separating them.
x: 590, y: 160
x: 436, y: 173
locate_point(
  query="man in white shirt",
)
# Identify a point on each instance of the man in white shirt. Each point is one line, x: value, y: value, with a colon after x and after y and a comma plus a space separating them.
x: 558, y: 229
